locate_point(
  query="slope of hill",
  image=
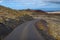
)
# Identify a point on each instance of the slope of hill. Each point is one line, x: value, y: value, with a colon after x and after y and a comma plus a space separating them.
x: 12, y: 18
x: 6, y: 12
x: 53, y: 24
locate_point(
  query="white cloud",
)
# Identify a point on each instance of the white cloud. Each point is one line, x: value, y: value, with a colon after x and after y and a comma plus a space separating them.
x: 31, y: 2
x: 1, y: 1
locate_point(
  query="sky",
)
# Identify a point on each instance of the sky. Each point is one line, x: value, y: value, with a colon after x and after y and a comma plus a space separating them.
x: 46, y: 5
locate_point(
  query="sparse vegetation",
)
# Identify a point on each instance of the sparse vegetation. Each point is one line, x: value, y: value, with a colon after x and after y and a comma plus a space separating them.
x: 53, y: 25
x: 12, y: 19
x: 43, y: 29
x: 54, y: 29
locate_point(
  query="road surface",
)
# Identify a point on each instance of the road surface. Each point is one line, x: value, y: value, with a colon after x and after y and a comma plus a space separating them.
x: 26, y: 31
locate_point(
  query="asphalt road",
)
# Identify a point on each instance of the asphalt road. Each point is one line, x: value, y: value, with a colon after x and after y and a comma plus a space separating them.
x: 26, y: 31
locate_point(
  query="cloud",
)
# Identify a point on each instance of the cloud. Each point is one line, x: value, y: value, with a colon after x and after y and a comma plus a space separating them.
x: 1, y: 1
x: 33, y: 4
x: 27, y: 2
x: 53, y: 1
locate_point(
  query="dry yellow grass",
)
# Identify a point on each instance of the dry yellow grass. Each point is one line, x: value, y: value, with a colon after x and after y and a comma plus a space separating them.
x: 53, y: 25
x: 54, y: 29
x: 41, y: 25
x: 52, y: 20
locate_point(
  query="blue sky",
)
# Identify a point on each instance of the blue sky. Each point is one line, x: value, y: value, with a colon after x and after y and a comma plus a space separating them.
x: 46, y: 5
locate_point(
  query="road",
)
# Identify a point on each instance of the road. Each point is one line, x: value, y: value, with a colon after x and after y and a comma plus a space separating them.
x: 26, y: 31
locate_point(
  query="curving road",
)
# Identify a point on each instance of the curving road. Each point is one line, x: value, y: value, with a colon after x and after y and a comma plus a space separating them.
x: 26, y: 31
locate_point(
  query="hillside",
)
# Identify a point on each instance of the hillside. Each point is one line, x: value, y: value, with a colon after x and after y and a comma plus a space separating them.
x: 53, y: 24
x: 6, y: 13
x: 12, y: 18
